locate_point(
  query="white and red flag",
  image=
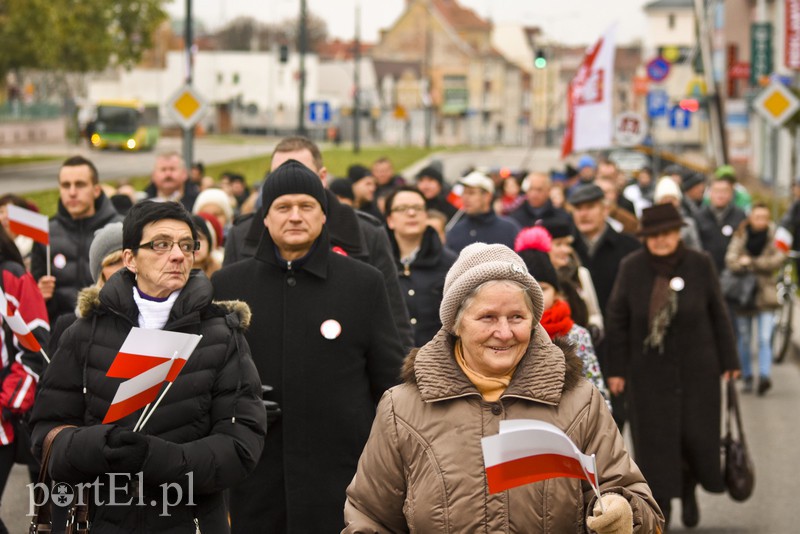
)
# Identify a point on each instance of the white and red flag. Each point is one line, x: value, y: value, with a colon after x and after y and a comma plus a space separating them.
x: 783, y: 239
x: 527, y: 451
x: 29, y: 223
x: 147, y: 358
x: 14, y: 319
x: 590, y: 122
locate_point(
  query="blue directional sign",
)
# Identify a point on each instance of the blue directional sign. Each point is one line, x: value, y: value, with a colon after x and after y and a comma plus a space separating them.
x: 679, y: 119
x: 657, y: 101
x: 319, y: 112
x: 658, y: 69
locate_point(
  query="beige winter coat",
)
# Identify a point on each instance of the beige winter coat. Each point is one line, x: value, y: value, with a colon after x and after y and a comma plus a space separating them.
x: 422, y: 468
x: 764, y: 266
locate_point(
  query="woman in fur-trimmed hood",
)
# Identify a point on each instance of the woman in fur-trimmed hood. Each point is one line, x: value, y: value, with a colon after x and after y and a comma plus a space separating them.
x: 422, y: 469
x: 207, y: 433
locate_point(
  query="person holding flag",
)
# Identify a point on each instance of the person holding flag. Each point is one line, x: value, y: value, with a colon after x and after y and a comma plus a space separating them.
x: 424, y: 468
x: 208, y: 429
x: 59, y: 256
x: 21, y: 308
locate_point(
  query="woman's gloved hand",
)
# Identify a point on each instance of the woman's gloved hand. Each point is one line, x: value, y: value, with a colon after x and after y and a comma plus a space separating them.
x: 617, y: 519
x: 125, y: 451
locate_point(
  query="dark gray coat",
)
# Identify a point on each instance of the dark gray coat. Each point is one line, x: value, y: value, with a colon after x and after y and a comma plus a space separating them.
x: 716, y: 235
x: 674, y: 397
x: 327, y: 388
x: 211, y: 422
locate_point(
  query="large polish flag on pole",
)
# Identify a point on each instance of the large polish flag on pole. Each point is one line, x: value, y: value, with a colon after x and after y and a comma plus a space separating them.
x: 29, y: 223
x: 527, y: 451
x: 147, y: 359
x: 589, y: 108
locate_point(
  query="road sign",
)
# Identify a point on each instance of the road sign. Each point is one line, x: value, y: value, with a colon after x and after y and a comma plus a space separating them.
x: 319, y: 112
x: 776, y: 103
x: 630, y: 129
x: 696, y: 87
x: 187, y: 106
x: 657, y: 101
x: 657, y: 69
x: 679, y: 119
x: 760, y: 51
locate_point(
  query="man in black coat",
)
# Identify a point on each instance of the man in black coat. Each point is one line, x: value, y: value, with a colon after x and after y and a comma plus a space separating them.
x: 170, y: 181
x: 717, y: 221
x: 83, y: 208
x: 537, y: 206
x: 324, y: 339
x: 600, y: 249
x: 352, y: 232
x: 431, y: 182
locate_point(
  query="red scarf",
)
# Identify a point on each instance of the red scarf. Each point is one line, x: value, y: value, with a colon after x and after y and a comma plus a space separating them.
x: 557, y: 320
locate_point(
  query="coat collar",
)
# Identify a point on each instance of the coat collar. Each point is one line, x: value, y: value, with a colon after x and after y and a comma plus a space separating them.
x: 116, y: 297
x: 430, y: 250
x: 541, y: 376
x: 316, y: 262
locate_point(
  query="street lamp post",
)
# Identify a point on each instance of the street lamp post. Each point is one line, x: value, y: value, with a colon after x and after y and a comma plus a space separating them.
x: 188, y: 133
x: 301, y: 48
x: 357, y: 82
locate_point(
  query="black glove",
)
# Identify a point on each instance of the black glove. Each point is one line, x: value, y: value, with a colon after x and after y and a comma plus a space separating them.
x: 125, y: 451
x: 273, y: 410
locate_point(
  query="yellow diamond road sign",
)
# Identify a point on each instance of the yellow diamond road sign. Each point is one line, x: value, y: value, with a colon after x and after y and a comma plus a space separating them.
x: 187, y: 106
x: 776, y: 103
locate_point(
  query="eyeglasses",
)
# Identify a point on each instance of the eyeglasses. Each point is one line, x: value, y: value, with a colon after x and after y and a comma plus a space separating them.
x: 162, y: 246
x: 408, y: 208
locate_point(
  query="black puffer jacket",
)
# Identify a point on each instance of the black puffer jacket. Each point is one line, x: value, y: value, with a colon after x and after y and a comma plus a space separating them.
x: 211, y: 424
x: 422, y: 283
x: 70, y: 240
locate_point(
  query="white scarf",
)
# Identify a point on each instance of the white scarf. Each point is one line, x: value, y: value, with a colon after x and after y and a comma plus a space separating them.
x: 154, y: 313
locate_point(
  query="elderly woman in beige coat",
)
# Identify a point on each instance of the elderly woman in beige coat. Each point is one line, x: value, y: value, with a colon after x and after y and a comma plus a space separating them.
x: 422, y: 469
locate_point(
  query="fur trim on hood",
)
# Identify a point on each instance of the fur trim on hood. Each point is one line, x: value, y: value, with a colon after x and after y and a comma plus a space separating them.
x: 89, y: 303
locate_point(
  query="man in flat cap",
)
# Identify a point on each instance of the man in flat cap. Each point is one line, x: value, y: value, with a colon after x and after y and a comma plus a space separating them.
x: 600, y: 249
x: 328, y: 352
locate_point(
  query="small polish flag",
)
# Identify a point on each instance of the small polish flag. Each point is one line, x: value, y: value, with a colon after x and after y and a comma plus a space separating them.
x: 454, y: 197
x: 145, y: 349
x: 137, y: 392
x: 527, y: 451
x: 29, y: 223
x: 783, y: 239
x: 18, y: 324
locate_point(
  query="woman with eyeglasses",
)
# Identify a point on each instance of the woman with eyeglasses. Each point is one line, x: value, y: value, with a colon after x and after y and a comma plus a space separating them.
x: 421, y: 259
x: 208, y: 431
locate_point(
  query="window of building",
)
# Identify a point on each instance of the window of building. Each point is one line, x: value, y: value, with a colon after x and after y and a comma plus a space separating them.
x: 671, y: 21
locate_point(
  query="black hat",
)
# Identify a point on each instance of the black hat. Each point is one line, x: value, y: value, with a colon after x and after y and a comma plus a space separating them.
x: 342, y: 187
x: 357, y: 172
x: 692, y: 180
x: 555, y: 227
x: 540, y: 267
x: 586, y: 193
x: 660, y: 218
x: 292, y: 178
x: 431, y: 172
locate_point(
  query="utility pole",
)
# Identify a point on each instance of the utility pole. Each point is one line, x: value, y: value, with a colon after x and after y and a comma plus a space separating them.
x: 357, y: 82
x: 188, y: 133
x: 301, y: 48
x: 428, y: 82
x: 715, y: 113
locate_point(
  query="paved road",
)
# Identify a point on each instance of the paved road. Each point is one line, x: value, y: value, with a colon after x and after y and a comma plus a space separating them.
x: 115, y: 165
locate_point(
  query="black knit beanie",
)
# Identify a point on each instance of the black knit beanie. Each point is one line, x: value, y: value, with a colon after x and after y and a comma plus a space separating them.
x: 357, y: 172
x: 540, y: 267
x: 293, y: 178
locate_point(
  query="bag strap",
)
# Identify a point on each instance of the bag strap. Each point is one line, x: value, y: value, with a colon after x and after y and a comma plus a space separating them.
x: 42, y: 520
x: 733, y: 407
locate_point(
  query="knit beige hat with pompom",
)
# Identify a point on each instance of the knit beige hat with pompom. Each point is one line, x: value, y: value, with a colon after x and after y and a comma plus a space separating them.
x: 479, y: 263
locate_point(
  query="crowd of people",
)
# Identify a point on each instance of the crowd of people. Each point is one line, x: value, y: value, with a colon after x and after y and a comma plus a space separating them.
x: 362, y: 333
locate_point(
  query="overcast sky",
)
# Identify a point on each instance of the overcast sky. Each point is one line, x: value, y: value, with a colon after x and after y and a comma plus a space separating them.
x: 567, y: 21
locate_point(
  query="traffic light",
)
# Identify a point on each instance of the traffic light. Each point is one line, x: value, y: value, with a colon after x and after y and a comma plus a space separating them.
x: 283, y: 53
x: 541, y: 61
x: 689, y: 104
